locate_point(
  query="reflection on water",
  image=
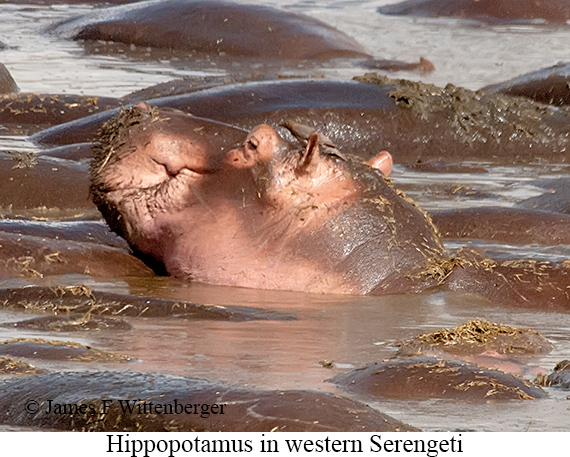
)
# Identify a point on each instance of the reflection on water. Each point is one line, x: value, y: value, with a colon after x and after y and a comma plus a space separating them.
x: 351, y: 331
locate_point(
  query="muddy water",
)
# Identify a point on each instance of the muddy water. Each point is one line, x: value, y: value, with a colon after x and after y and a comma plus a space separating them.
x: 350, y: 331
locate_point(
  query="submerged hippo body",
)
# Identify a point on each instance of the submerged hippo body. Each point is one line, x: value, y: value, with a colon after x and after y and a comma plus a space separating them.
x: 414, y: 121
x: 35, y: 111
x: 32, y: 184
x: 552, y: 11
x: 549, y: 85
x: 264, y: 214
x: 243, y: 410
x: 421, y: 378
x: 213, y: 27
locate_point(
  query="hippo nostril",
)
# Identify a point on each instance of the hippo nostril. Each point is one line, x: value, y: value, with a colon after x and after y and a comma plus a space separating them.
x: 253, y: 143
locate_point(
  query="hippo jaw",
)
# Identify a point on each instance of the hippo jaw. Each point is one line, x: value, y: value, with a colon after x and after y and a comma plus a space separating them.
x: 134, y: 179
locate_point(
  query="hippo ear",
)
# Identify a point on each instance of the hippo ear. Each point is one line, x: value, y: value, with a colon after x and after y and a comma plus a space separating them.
x: 382, y: 161
x: 310, y: 155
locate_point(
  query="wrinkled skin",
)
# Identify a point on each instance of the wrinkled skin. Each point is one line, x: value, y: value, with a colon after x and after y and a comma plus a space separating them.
x: 265, y: 214
x: 549, y: 85
x: 213, y: 27
x: 494, y: 11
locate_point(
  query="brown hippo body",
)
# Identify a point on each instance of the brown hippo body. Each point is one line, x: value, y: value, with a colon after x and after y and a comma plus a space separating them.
x: 28, y: 256
x: 35, y: 111
x: 421, y: 378
x: 42, y: 185
x: 214, y: 28
x: 264, y: 214
x: 244, y: 410
x: 414, y: 121
x: 507, y: 225
x: 493, y: 11
x: 548, y: 85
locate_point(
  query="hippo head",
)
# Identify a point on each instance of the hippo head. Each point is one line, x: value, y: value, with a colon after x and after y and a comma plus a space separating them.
x: 196, y: 200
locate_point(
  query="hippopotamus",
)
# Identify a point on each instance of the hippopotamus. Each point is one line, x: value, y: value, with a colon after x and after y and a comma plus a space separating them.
x: 211, y: 406
x: 422, y: 378
x: 28, y: 256
x: 38, y: 348
x: 311, y: 218
x: 478, y: 336
x: 548, y: 85
x: 282, y: 217
x: 507, y: 225
x: 493, y: 11
x: 36, y: 111
x: 482, y: 343
x: 31, y: 183
x: 77, y: 301
x: 213, y: 27
x: 7, y: 83
x: 216, y: 29
x: 412, y: 120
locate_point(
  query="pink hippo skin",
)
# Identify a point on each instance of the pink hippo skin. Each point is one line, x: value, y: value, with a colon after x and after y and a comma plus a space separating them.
x: 195, y: 203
